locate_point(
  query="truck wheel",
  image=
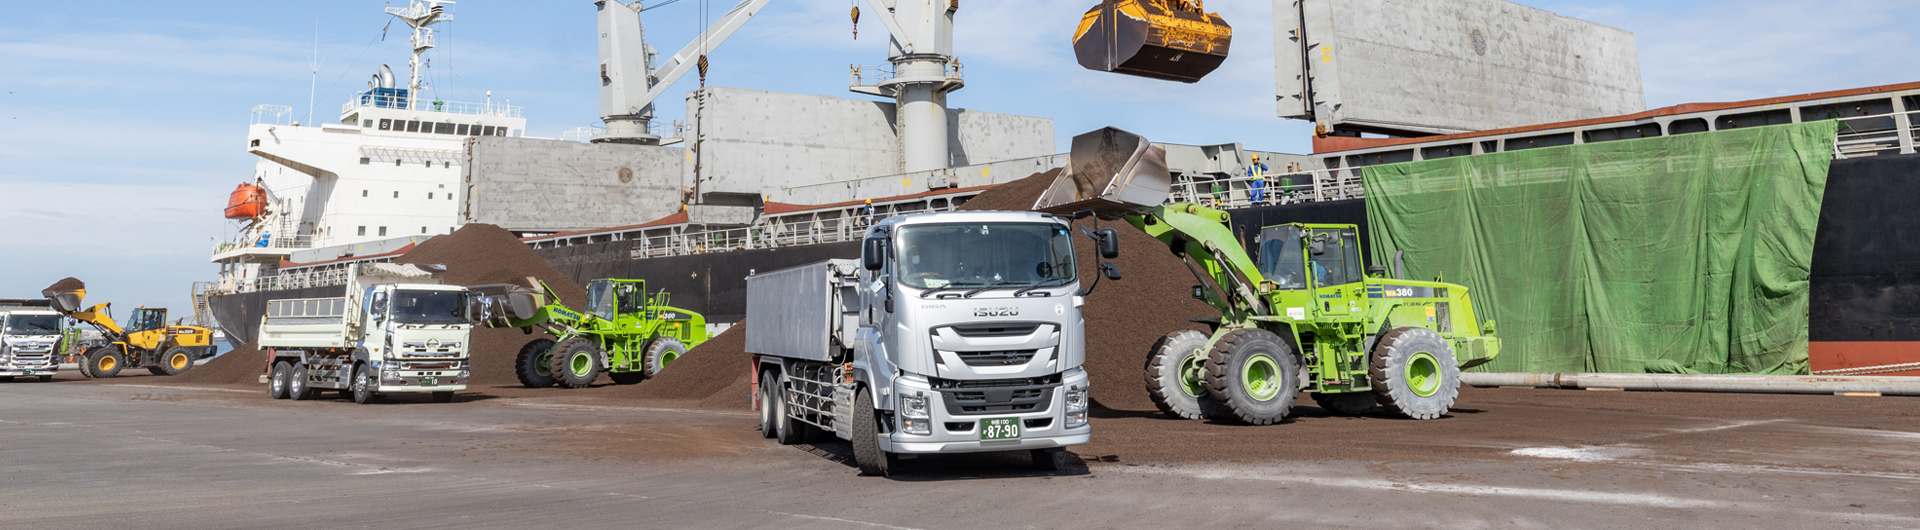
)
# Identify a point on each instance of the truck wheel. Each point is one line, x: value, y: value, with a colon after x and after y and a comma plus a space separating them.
x: 298, y: 388
x: 787, y: 430
x: 6, y: 379
x: 866, y: 439
x: 442, y: 397
x: 1414, y: 373
x: 176, y: 360
x: 1346, y: 404
x: 277, y: 383
x: 767, y: 404
x: 1254, y: 374
x: 45, y: 378
x: 108, y: 362
x: 576, y: 362
x: 1053, y: 459
x: 660, y: 353
x: 532, y: 366
x: 363, y: 385
x: 1176, y: 376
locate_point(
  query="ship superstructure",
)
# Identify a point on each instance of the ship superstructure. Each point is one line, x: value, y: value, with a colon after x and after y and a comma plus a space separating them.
x: 387, y: 170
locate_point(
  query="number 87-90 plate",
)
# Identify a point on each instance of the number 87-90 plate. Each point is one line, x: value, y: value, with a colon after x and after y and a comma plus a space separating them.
x: 1000, y: 429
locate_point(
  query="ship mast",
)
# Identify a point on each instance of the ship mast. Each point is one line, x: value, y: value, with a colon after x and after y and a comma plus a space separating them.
x: 418, y: 15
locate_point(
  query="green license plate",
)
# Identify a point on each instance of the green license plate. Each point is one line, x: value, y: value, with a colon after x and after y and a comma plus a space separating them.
x: 429, y: 381
x: 29, y: 372
x: 1000, y: 429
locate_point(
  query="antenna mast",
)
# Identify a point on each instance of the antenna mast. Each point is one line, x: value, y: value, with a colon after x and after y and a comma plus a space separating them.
x: 419, y: 14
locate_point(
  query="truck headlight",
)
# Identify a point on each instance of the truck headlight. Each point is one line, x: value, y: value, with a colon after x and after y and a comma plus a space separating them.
x: 914, y: 406
x: 1076, y: 406
x: 464, y: 374
x: 390, y: 375
x: 920, y: 427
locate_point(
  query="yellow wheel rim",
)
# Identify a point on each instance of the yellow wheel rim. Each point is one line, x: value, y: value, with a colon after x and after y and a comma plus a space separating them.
x: 107, y: 363
x: 178, y: 361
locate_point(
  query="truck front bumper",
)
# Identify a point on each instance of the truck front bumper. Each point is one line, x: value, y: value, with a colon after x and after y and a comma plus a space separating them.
x: 960, y: 433
x: 414, y: 384
x: 10, y: 371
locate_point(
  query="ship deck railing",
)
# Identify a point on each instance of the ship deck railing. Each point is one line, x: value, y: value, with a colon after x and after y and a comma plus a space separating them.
x: 387, y: 101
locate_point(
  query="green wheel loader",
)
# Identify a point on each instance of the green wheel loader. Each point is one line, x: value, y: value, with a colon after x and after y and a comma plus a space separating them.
x: 625, y: 331
x: 1304, y: 312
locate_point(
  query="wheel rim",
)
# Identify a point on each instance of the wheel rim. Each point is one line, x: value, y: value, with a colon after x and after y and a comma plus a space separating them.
x: 540, y: 365
x: 178, y: 361
x: 1193, y: 375
x: 278, y: 384
x: 1423, y: 374
x: 667, y: 357
x: 1260, y: 376
x: 581, y: 363
x: 360, y: 382
x: 107, y: 363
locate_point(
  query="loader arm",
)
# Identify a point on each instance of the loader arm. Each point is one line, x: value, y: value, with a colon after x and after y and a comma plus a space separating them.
x: 98, y: 317
x: 1208, y: 245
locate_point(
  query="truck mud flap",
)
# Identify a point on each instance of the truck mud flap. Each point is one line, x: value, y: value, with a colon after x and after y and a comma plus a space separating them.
x: 843, y: 411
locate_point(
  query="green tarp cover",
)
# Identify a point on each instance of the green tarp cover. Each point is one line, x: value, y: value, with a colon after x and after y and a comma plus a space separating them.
x: 1677, y: 254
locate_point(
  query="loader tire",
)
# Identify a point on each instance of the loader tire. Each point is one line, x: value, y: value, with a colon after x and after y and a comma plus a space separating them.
x: 176, y: 360
x: 873, y: 462
x: 364, y: 384
x: 1414, y: 373
x: 1176, y: 376
x: 661, y: 352
x: 575, y: 363
x: 277, y: 380
x: 1346, y: 404
x: 769, y: 382
x: 626, y: 378
x: 532, y: 366
x: 298, y: 387
x: 1254, y: 374
x: 85, y: 362
x: 108, y: 362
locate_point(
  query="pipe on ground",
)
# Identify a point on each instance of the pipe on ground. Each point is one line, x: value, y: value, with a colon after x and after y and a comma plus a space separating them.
x: 1754, y: 384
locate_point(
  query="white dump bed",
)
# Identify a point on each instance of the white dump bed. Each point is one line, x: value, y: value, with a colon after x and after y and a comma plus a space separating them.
x: 308, y: 323
x: 804, y: 312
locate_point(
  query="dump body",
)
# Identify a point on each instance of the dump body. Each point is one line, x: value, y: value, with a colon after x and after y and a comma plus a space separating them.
x: 29, y: 332
x: 1174, y: 40
x: 966, y: 336
x: 399, y: 323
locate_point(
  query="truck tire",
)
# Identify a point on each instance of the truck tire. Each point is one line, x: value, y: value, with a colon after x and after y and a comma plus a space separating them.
x: 277, y: 382
x: 532, y: 366
x: 1347, y: 403
x: 1254, y: 375
x: 1053, y: 459
x: 176, y: 360
x: 1414, y: 373
x: 787, y: 430
x: 6, y: 379
x: 768, y: 382
x: 442, y: 397
x: 298, y: 388
x: 45, y: 378
x: 108, y: 362
x: 575, y: 363
x: 661, y: 352
x: 1176, y: 376
x: 873, y: 462
x: 363, y: 385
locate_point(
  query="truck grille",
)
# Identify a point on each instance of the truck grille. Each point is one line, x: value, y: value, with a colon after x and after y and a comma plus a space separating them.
x: 996, y: 329
x: 997, y: 396
x: 995, y: 358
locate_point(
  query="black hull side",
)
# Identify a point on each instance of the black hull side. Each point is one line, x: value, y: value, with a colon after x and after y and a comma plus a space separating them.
x: 239, y: 314
x: 714, y: 285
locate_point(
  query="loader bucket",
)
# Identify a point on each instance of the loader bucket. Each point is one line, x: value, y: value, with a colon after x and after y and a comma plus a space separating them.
x: 67, y: 302
x: 1110, y: 172
x: 494, y: 301
x: 1173, y: 40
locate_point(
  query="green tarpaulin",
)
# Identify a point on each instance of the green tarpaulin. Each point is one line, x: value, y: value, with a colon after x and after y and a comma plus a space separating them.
x: 1684, y: 253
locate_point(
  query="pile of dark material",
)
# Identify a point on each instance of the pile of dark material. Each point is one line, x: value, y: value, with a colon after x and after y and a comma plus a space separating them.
x: 715, y: 374
x: 480, y: 254
x: 67, y: 284
x: 243, y: 365
x: 1154, y: 297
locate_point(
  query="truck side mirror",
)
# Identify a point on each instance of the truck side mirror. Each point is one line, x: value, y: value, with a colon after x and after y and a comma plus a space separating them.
x: 873, y: 254
x: 1109, y: 243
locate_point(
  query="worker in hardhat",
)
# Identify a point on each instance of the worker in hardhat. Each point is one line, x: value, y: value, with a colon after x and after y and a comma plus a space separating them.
x: 1258, y: 181
x: 866, y: 213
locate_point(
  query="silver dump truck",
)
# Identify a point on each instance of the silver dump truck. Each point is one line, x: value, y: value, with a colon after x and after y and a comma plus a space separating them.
x: 955, y: 332
x: 398, y: 329
x: 29, y: 331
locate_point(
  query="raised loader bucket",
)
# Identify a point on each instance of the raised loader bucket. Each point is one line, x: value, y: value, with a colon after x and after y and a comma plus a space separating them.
x: 1110, y: 172
x: 494, y: 301
x: 65, y: 295
x: 1174, y: 40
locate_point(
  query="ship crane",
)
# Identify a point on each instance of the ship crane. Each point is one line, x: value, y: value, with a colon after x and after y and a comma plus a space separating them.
x: 628, y: 81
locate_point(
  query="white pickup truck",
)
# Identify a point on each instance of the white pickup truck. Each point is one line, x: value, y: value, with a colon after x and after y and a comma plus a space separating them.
x: 399, y: 329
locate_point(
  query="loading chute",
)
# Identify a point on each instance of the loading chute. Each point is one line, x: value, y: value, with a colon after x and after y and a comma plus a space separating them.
x: 1173, y: 40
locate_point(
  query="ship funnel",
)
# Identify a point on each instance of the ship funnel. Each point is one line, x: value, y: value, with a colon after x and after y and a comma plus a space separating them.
x: 1109, y: 171
x: 386, y: 77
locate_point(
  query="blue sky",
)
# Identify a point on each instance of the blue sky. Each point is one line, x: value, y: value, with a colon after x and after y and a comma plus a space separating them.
x: 122, y: 123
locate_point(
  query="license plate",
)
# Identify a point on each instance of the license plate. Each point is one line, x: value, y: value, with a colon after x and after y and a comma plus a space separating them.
x: 29, y: 372
x: 1000, y: 429
x: 429, y: 381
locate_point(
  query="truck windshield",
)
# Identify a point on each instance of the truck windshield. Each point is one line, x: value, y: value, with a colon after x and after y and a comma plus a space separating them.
x: 430, y: 307
x: 33, y: 324
x: 979, y: 255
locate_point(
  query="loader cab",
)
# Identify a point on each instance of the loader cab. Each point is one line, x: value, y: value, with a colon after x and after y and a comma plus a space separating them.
x: 147, y: 319
x: 609, y: 298
x: 1320, y: 263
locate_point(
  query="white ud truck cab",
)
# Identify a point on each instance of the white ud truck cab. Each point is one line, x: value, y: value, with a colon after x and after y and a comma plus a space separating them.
x: 398, y: 329
x: 29, y: 333
x: 955, y: 332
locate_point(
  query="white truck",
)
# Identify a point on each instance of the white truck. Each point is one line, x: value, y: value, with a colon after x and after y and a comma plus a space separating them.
x: 399, y: 329
x: 29, y: 332
x: 955, y: 332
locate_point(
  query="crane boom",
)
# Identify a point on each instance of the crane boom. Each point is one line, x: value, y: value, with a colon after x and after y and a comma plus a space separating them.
x: 627, y: 119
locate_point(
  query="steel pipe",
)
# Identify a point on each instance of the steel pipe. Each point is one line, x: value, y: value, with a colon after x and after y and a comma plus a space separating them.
x: 1756, y: 384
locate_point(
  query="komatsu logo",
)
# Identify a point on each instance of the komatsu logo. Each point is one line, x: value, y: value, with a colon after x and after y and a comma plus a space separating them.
x: 996, y: 311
